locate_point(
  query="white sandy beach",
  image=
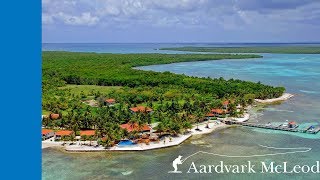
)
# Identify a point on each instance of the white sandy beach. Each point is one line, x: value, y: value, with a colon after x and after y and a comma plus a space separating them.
x: 167, y: 142
x: 284, y: 97
x: 203, y: 130
x: 47, y: 143
x: 138, y: 147
x: 174, y: 141
x: 245, y: 117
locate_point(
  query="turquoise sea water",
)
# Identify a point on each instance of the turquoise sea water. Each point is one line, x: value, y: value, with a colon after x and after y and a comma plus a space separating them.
x: 300, y: 75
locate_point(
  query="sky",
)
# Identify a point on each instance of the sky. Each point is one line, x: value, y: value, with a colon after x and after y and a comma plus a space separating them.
x: 180, y: 21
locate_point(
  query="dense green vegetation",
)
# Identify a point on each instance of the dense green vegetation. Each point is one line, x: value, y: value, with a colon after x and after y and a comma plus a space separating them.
x: 266, y: 49
x: 116, y: 70
x: 86, y: 89
x: 177, y: 100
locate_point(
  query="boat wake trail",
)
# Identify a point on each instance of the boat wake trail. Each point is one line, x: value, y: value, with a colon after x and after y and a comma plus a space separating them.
x: 293, y: 151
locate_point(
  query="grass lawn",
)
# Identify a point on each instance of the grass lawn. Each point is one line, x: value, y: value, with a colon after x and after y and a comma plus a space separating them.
x: 45, y: 112
x: 77, y: 89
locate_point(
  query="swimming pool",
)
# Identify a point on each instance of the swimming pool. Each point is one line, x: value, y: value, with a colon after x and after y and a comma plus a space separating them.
x: 126, y: 143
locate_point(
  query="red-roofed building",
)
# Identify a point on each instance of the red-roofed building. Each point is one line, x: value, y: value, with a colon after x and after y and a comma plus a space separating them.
x: 109, y: 102
x: 47, y: 133
x: 88, y: 133
x: 217, y: 112
x: 140, y: 109
x: 63, y: 133
x: 135, y: 127
x: 210, y: 115
x: 225, y: 104
x: 54, y: 116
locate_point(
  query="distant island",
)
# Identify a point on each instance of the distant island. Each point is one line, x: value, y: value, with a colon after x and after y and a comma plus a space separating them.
x: 260, y: 49
x: 100, y: 99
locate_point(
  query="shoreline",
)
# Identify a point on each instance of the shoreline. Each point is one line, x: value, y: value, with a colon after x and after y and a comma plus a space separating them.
x: 48, y: 144
x: 140, y: 60
x: 167, y: 142
x: 285, y: 96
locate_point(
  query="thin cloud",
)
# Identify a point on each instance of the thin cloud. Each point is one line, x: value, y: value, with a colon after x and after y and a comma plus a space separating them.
x: 241, y: 17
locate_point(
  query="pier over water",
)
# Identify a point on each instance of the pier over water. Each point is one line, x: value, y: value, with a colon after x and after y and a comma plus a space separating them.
x: 310, y: 129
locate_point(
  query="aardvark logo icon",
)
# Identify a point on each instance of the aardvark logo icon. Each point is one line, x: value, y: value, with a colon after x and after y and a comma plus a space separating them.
x: 175, y: 165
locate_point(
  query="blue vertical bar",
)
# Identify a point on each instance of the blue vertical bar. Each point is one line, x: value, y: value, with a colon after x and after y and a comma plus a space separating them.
x: 20, y: 63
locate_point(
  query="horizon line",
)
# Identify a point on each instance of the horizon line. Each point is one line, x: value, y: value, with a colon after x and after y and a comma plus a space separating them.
x: 293, y: 42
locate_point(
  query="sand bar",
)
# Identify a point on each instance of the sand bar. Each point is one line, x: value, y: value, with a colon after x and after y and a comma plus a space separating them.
x: 284, y: 97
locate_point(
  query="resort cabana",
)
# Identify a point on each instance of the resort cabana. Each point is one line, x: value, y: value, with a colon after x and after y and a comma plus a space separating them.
x: 87, y: 133
x: 84, y: 134
x: 141, y: 109
x: 210, y: 115
x: 135, y: 127
x: 225, y: 104
x: 109, y: 102
x: 47, y: 133
x: 63, y: 133
x: 217, y: 112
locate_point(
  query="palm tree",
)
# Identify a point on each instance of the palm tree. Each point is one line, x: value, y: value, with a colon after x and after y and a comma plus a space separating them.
x: 45, y: 121
x: 175, y: 127
x: 91, y: 138
x: 84, y: 138
x: 74, y: 125
x: 186, y: 126
x: 134, y: 121
x: 108, y: 142
x: 160, y: 127
x: 72, y: 137
x: 232, y: 109
x: 199, y: 114
x: 86, y: 119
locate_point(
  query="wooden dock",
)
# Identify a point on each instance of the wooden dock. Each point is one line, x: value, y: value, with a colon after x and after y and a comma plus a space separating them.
x: 309, y: 129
